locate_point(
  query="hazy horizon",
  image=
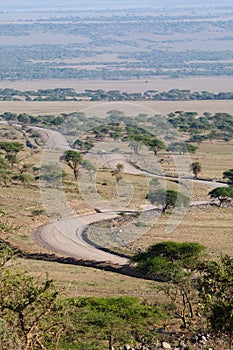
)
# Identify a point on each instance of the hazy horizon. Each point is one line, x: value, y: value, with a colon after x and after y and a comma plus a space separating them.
x: 12, y: 5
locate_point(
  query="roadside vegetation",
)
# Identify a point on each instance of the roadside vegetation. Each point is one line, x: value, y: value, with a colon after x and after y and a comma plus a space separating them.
x: 184, y: 290
x: 35, y: 316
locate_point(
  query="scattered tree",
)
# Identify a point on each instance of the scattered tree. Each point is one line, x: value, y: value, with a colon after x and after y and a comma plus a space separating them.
x: 223, y: 194
x: 191, y: 148
x: 135, y: 146
x: 216, y: 290
x: 196, y: 168
x: 155, y: 145
x: 175, y: 263
x: 83, y: 145
x: 74, y: 160
x: 178, y: 147
x: 169, y: 199
x: 11, y: 149
x: 229, y: 176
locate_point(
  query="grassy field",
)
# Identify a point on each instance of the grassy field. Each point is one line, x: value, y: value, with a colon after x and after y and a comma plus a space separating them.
x: 156, y: 107
x: 210, y: 226
x: 213, y: 84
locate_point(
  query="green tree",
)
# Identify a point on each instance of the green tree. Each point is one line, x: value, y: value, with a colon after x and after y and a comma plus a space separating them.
x: 155, y: 145
x: 191, y: 148
x: 83, y: 145
x: 197, y: 138
x: 74, y: 160
x: 169, y: 199
x: 11, y: 149
x: 24, y: 118
x: 178, y: 147
x: 30, y: 317
x: 175, y: 263
x: 196, y: 168
x: 115, y: 321
x: 216, y: 290
x: 26, y: 179
x: 223, y: 194
x: 228, y: 174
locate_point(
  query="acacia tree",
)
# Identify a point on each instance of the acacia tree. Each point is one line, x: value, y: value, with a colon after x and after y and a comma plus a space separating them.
x: 83, y: 145
x: 169, y: 199
x: 182, y: 147
x: 223, y: 194
x: 228, y: 174
x: 74, y: 160
x: 196, y: 168
x: 178, y: 146
x: 30, y: 318
x: 155, y: 145
x: 175, y: 263
x: 11, y: 149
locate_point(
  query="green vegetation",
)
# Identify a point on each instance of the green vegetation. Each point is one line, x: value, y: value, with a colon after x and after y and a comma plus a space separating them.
x: 223, y: 194
x: 32, y: 316
x: 129, y: 46
x: 12, y: 167
x: 178, y: 264
x: 106, y: 322
x: 168, y: 199
x: 216, y: 290
x: 70, y: 94
x: 74, y: 161
x: 169, y: 260
x: 228, y: 174
x: 196, y: 168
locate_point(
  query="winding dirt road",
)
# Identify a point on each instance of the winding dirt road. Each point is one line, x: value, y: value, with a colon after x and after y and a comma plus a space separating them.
x: 66, y: 236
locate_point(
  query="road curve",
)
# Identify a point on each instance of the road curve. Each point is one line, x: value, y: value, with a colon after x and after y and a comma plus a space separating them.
x: 66, y: 236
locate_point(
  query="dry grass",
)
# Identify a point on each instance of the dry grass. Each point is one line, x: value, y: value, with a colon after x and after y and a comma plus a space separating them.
x: 214, y: 84
x: 86, y: 281
x: 157, y: 107
x: 209, y: 226
x: 215, y: 159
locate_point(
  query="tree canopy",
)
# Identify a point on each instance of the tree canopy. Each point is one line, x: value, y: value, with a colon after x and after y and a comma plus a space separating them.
x: 196, y: 168
x: 74, y: 160
x: 167, y: 198
x: 168, y: 260
x: 223, y: 194
x: 228, y: 174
